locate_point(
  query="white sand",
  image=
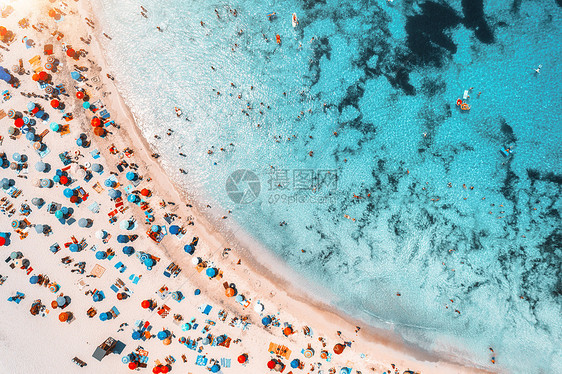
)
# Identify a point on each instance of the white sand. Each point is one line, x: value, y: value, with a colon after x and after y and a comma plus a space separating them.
x: 45, y: 345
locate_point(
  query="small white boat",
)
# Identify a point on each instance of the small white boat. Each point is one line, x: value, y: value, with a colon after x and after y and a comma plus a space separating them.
x: 178, y: 111
x: 295, y: 20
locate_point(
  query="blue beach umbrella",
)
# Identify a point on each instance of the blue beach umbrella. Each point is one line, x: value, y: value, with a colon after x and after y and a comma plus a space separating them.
x: 211, y: 272
x: 98, y: 296
x: 186, y: 327
x: 109, y: 183
x: 131, y: 176
x: 39, y: 229
x: 104, y: 316
x: 132, y: 198
x: 68, y: 193
x: 136, y: 335
x: 40, y: 114
x: 162, y: 335
x: 34, y: 279
x: 30, y: 136
x: 17, y: 157
x: 149, y: 262
x: 100, y: 255
x: 206, y: 341
x: 295, y: 363
x: 239, y: 298
x: 55, y: 126
x: 174, y: 229
x: 40, y: 166
x: 188, y: 248
x: 266, y: 321
x: 215, y: 368
x: 74, y: 247
x: 75, y: 75
x: 97, y: 168
x: 64, y: 210
x: 30, y: 105
x: 114, y: 194
x: 86, y: 104
x: 59, y: 214
x: 128, y: 250
x: 56, y: 178
x: 79, y: 142
x: 37, y: 201
x: 61, y: 300
x: 197, y: 292
x: 122, y: 239
x: 83, y: 222
x: 155, y: 228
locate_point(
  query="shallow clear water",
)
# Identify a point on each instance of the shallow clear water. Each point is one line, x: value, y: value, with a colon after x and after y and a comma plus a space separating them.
x: 386, y: 78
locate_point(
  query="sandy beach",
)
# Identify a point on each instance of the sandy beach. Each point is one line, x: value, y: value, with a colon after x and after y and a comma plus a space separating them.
x: 36, y: 343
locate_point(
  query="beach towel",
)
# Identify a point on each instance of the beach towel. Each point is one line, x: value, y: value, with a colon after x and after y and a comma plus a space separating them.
x: 205, y: 309
x: 95, y: 154
x: 225, y: 362
x: 201, y: 360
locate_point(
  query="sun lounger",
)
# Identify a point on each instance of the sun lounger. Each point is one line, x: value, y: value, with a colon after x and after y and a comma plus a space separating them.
x: 114, y: 311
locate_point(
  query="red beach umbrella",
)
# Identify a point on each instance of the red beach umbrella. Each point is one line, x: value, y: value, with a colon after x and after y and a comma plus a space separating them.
x: 63, y: 317
x: 145, y: 192
x: 99, y: 131
x: 242, y: 358
x: 338, y: 349
x: 146, y: 304
x: 55, y: 103
x: 18, y: 122
x: 3, y: 30
x: 63, y: 179
x: 271, y: 364
x: 96, y: 122
x: 156, y: 370
x: 2, y: 241
x: 164, y: 369
x: 73, y: 199
x: 35, y: 77
x: 70, y: 52
x: 43, y: 76
x: 52, y: 13
x: 35, y: 110
x: 80, y: 94
x: 133, y: 365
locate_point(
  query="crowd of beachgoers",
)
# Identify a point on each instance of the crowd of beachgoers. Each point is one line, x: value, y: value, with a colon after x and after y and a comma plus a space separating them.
x: 103, y: 251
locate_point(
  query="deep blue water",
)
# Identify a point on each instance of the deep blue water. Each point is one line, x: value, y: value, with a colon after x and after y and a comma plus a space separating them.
x: 371, y: 88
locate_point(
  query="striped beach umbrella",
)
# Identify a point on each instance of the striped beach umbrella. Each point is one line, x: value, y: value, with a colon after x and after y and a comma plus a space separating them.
x: 50, y: 59
x: 11, y: 114
x: 49, y: 90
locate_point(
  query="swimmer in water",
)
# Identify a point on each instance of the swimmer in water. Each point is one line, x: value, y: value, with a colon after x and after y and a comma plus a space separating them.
x: 538, y: 70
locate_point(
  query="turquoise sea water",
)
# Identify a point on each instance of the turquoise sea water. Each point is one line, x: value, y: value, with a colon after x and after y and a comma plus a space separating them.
x: 385, y: 77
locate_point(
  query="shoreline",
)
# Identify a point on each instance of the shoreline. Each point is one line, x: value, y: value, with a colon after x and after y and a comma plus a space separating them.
x: 391, y: 341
